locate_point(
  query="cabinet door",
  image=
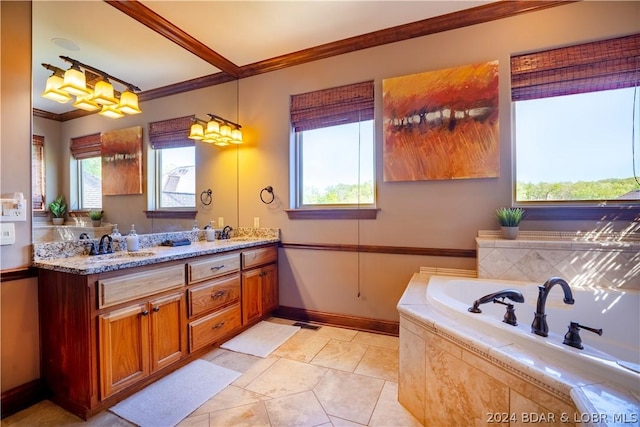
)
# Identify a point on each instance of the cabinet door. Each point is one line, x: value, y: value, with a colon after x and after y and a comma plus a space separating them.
x: 124, y: 348
x: 251, y: 295
x: 269, y: 288
x: 168, y: 336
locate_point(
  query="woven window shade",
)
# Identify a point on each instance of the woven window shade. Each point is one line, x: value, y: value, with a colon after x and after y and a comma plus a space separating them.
x: 331, y: 107
x: 85, y: 147
x: 589, y: 67
x: 37, y: 173
x: 171, y: 133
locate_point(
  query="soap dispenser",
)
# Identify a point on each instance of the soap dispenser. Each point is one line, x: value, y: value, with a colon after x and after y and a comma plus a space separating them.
x: 211, y: 232
x: 117, y: 237
x: 133, y: 244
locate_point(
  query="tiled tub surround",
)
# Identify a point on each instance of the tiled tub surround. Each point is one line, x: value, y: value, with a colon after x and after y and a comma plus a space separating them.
x: 582, y: 259
x: 456, y: 370
x: 72, y: 256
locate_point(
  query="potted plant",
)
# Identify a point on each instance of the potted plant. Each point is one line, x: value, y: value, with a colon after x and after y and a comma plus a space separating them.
x: 58, y: 208
x: 96, y: 217
x: 509, y: 220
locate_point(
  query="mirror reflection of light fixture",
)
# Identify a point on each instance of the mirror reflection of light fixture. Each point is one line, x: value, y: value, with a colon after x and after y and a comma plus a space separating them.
x: 90, y: 96
x: 216, y: 130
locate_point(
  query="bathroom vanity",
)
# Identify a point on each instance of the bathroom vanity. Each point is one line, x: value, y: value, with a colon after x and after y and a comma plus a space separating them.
x: 112, y: 324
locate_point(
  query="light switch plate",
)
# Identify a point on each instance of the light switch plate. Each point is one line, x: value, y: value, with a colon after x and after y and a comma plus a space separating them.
x: 7, y: 233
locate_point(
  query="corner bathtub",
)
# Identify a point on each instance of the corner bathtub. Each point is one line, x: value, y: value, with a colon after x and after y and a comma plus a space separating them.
x: 503, y: 369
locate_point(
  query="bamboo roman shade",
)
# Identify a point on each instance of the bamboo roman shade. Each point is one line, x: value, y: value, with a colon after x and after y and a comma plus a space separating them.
x: 85, y: 147
x: 589, y: 67
x: 172, y: 133
x: 331, y: 107
x: 37, y: 173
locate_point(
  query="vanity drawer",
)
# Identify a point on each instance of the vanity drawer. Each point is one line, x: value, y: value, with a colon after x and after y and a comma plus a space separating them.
x: 128, y: 287
x: 213, y: 267
x: 212, y: 295
x: 260, y: 256
x: 214, y: 327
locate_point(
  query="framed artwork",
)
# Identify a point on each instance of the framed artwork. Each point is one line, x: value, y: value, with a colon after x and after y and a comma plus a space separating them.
x: 122, y: 161
x: 442, y: 124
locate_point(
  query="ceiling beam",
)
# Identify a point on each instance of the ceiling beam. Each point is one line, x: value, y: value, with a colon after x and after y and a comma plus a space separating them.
x: 477, y: 15
x: 157, y: 23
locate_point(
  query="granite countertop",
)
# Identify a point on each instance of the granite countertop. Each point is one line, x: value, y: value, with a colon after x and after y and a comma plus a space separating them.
x: 77, y: 261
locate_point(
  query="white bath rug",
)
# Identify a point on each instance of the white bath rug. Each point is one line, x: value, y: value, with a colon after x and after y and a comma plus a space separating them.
x: 169, y: 400
x: 261, y: 339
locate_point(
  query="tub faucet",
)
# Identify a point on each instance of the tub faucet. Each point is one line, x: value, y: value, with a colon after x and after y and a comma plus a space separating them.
x: 512, y: 294
x: 539, y: 325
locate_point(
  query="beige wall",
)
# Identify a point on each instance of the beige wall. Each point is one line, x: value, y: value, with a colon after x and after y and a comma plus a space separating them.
x: 20, y: 351
x: 444, y: 214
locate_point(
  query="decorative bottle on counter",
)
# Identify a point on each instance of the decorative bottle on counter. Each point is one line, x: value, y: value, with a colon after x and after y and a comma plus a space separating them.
x: 133, y: 244
x: 117, y: 238
x: 211, y: 232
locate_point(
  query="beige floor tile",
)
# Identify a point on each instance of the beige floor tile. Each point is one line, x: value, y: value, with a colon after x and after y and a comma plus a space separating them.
x: 378, y: 340
x: 303, y: 346
x: 229, y: 397
x: 336, y: 333
x: 389, y: 412
x: 349, y: 396
x: 192, y: 420
x: 342, y: 355
x: 340, y: 422
x: 254, y: 415
x: 286, y: 377
x: 254, y: 371
x: 379, y: 362
x: 46, y: 413
x: 302, y: 409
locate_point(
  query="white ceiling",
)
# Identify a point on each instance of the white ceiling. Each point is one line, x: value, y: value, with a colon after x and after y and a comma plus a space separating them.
x: 244, y: 32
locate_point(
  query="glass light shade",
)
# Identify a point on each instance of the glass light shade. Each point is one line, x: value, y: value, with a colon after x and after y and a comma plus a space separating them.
x: 111, y: 111
x: 209, y: 140
x: 129, y: 103
x: 236, y: 136
x: 221, y: 143
x: 52, y: 90
x: 103, y: 93
x: 75, y: 82
x: 86, y: 103
x: 196, y: 132
x: 225, y: 133
x: 213, y: 129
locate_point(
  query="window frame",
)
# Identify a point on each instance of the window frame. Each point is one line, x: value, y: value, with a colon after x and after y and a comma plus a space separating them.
x: 567, y: 70
x: 158, y: 182
x: 80, y: 185
x: 38, y: 174
x: 353, y: 103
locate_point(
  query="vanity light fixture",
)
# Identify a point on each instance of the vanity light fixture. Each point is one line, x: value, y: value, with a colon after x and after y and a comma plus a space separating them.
x: 216, y: 130
x: 92, y: 89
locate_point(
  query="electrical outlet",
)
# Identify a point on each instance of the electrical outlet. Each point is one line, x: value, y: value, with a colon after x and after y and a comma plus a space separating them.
x: 256, y: 222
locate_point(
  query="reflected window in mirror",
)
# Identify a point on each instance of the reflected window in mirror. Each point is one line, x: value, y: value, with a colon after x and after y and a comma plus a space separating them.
x: 174, y: 167
x: 176, y: 177
x: 86, y: 182
x: 37, y: 173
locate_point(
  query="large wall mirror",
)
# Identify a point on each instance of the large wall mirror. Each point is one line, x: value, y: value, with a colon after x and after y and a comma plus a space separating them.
x: 216, y: 168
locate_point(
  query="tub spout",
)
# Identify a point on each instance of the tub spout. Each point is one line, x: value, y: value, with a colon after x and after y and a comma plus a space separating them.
x: 512, y: 294
x: 539, y: 325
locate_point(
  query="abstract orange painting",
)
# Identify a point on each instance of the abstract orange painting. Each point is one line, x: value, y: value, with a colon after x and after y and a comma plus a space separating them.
x: 442, y: 124
x: 122, y: 161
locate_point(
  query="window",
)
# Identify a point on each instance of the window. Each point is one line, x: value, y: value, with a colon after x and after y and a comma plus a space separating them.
x: 37, y: 173
x: 90, y: 183
x: 334, y: 147
x: 87, y: 151
x: 576, y: 113
x: 175, y: 160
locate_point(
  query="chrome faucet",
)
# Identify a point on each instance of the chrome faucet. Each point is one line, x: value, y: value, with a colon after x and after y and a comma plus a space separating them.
x: 539, y: 325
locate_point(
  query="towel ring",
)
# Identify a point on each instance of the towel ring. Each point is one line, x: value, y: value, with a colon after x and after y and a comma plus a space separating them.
x: 268, y: 189
x: 206, y: 197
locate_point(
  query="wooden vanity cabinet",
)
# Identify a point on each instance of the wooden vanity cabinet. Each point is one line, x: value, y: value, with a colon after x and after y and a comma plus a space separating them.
x: 139, y: 339
x: 213, y: 295
x: 259, y: 283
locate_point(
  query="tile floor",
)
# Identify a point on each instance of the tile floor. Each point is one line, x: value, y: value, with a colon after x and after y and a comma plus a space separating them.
x: 325, y: 377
